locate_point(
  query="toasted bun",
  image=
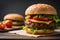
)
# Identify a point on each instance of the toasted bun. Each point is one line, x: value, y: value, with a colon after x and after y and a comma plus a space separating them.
x: 13, y: 16
x: 40, y: 9
x: 40, y: 31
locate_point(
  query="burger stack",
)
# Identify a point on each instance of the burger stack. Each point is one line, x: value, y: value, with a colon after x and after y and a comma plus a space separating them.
x: 40, y: 19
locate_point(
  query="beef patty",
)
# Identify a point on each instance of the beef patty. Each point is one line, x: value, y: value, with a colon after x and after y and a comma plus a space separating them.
x: 31, y: 24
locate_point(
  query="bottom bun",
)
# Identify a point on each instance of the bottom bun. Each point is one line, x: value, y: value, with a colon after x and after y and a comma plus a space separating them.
x: 39, y: 31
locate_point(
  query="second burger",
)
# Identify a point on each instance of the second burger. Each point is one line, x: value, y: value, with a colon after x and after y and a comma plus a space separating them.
x: 16, y: 19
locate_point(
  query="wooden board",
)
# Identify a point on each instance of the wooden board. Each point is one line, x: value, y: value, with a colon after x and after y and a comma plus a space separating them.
x: 10, y: 29
x: 15, y: 36
x: 23, y: 33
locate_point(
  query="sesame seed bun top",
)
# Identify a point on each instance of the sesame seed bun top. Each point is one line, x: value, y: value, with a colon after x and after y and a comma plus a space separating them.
x: 40, y: 9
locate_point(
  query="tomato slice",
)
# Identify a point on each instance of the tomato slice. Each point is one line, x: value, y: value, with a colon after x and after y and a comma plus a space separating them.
x: 42, y: 19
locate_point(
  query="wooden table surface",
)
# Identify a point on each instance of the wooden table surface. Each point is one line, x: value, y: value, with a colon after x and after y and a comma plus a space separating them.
x: 20, y: 37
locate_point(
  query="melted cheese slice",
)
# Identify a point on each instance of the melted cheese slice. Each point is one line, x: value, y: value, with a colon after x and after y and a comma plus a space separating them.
x: 46, y: 22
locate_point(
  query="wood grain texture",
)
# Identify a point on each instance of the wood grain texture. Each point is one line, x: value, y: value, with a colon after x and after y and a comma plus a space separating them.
x: 15, y: 36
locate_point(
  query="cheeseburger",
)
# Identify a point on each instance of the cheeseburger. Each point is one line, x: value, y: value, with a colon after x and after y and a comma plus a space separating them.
x: 40, y: 19
x: 16, y: 19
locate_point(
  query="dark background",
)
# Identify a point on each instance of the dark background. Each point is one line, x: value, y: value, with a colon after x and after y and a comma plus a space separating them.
x: 19, y: 6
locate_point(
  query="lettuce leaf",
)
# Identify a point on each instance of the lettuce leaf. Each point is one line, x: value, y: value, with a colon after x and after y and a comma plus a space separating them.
x: 24, y: 27
x: 33, y: 30
x: 58, y: 22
